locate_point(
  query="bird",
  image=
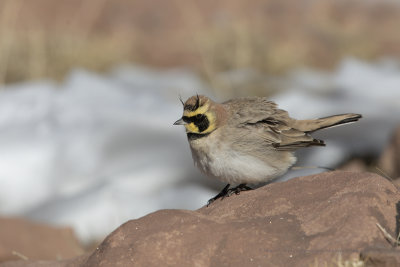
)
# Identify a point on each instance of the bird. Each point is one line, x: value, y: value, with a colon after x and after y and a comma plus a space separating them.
x: 247, y: 140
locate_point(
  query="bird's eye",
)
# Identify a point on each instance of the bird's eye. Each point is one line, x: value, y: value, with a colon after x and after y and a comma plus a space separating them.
x: 199, y: 116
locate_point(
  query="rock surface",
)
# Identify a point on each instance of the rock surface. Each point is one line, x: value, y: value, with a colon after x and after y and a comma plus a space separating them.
x: 22, y: 239
x: 390, y: 158
x: 310, y: 220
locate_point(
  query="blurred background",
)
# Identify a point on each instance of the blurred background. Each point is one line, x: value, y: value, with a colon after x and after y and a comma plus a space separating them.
x: 89, y: 91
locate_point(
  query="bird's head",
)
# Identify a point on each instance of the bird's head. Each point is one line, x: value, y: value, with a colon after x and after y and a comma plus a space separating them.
x: 199, y: 115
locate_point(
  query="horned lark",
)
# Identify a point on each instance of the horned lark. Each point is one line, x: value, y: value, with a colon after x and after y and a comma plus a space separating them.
x: 247, y: 140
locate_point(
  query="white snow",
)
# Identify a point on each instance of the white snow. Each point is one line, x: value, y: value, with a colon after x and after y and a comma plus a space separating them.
x: 372, y: 90
x: 97, y: 150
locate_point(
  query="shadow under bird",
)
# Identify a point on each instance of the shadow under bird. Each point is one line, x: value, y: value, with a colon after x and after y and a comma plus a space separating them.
x: 247, y: 140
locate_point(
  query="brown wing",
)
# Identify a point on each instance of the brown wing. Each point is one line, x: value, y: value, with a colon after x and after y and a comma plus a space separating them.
x: 284, y: 137
x: 250, y: 109
x: 263, y: 118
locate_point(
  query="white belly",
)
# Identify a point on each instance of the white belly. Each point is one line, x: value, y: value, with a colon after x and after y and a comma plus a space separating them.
x: 235, y: 168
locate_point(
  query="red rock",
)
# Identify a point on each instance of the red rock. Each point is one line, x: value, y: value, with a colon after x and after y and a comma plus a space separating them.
x: 389, y: 161
x: 22, y: 239
x: 354, y: 165
x: 381, y: 257
x: 310, y: 220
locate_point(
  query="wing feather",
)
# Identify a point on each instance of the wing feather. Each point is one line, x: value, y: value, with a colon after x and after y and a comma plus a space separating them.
x: 272, y: 125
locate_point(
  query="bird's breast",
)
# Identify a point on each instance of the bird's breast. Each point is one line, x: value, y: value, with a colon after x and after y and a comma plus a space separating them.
x: 219, y: 160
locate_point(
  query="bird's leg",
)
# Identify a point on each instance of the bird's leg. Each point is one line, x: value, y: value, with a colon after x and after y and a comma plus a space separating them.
x: 221, y: 194
x: 238, y: 189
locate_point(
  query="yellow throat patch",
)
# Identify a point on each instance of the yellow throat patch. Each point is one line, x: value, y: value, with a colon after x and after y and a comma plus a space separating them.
x: 203, y: 110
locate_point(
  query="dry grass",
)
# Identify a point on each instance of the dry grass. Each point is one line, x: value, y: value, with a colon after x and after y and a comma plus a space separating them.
x: 46, y: 38
x: 32, y: 51
x: 339, y: 262
x: 395, y: 242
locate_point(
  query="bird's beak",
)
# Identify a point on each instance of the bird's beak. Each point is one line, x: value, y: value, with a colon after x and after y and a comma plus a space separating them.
x: 180, y: 122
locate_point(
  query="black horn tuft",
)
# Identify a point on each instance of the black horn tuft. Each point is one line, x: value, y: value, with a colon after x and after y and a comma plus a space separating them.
x: 197, y: 105
x: 180, y: 98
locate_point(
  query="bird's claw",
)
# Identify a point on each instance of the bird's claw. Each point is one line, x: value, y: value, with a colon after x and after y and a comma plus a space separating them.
x: 227, y: 192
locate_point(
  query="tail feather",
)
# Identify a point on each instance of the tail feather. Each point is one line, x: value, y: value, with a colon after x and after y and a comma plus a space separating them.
x: 309, y: 126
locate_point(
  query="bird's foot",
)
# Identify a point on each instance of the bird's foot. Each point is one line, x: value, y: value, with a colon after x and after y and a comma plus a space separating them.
x: 221, y: 195
x: 236, y: 190
x: 226, y: 192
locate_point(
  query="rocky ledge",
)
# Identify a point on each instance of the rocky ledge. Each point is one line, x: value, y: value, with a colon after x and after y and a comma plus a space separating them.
x: 315, y: 220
